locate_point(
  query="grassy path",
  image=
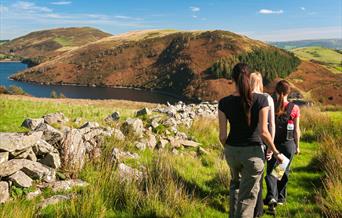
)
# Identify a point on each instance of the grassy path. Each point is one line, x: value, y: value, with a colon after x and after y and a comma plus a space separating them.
x: 304, y: 180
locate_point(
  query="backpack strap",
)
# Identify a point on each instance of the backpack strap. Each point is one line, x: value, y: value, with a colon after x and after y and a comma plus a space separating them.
x: 289, y: 109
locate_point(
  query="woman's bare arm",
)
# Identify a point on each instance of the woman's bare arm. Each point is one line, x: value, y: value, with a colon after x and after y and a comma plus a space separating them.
x: 265, y: 134
x: 297, y: 134
x: 272, y: 121
x: 223, y: 127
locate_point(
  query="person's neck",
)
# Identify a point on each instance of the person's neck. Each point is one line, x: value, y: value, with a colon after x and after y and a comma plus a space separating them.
x: 257, y: 91
x: 285, y: 99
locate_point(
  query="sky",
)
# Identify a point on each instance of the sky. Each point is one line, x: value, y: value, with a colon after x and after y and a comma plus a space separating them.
x: 267, y: 20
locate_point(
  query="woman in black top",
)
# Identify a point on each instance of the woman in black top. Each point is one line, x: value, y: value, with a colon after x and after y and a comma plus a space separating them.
x: 247, y: 116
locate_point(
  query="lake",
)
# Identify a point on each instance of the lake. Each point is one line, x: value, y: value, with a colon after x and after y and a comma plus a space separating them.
x: 38, y: 90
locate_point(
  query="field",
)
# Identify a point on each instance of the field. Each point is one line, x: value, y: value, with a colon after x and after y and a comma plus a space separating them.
x: 185, y: 185
x: 327, y: 57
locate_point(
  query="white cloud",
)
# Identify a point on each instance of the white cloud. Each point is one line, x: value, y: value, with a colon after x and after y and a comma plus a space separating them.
x: 3, y: 9
x: 195, y: 9
x: 61, y: 3
x: 302, y: 8
x: 194, y: 16
x: 30, y: 7
x: 268, y: 11
x: 122, y: 17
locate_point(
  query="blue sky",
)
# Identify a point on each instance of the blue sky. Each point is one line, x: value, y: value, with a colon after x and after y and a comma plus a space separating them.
x: 268, y: 20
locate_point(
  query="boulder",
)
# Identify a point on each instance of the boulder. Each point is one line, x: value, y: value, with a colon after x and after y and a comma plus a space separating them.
x: 32, y: 123
x: 50, y: 134
x: 151, y: 141
x: 4, y: 157
x: 189, y: 143
x: 52, y: 160
x: 118, y: 135
x: 33, y: 194
x: 171, y: 122
x: 144, y: 111
x: 140, y: 145
x: 27, y: 154
x: 16, y: 142
x: 113, y: 117
x: 55, y: 118
x: 66, y: 185
x: 73, y: 151
x: 4, y: 192
x: 129, y: 173
x: 118, y: 155
x: 133, y: 126
x: 90, y: 125
x: 42, y: 148
x: 33, y: 169
x: 162, y: 143
x: 92, y: 134
x: 21, y: 179
x: 53, y: 200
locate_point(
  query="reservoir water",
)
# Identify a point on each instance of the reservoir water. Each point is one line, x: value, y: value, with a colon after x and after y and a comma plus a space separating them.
x: 38, y: 90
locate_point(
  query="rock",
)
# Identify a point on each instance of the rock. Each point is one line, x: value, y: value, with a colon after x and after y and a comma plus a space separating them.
x: 4, y: 192
x: 174, y: 142
x: 73, y: 151
x: 202, y: 151
x: 21, y: 179
x: 4, y: 157
x: 133, y: 126
x: 27, y: 154
x: 175, y: 151
x: 92, y: 134
x: 144, y: 111
x: 188, y: 143
x: 16, y: 142
x: 33, y: 194
x: 140, y: 145
x: 128, y: 173
x: 162, y: 143
x: 55, y: 118
x: 151, y: 141
x: 53, y: 200
x: 52, y: 160
x: 66, y: 185
x: 42, y: 148
x: 182, y: 135
x: 154, y: 123
x: 32, y: 123
x: 113, y: 117
x: 118, y: 155
x: 90, y: 125
x: 33, y: 169
x: 118, y: 135
x: 78, y: 120
x: 171, y: 122
x: 50, y: 134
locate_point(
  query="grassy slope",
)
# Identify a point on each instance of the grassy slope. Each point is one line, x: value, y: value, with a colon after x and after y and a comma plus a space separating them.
x: 328, y: 57
x: 205, y: 177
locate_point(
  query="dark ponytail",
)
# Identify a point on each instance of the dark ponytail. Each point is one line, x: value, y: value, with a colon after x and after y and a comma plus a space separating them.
x: 241, y: 76
x: 282, y: 88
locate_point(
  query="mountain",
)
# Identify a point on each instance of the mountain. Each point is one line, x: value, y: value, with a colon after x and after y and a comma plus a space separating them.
x: 327, y: 43
x: 329, y: 58
x: 196, y: 64
x: 40, y: 46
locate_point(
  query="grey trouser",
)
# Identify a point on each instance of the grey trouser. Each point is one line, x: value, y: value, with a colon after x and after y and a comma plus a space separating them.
x: 246, y: 166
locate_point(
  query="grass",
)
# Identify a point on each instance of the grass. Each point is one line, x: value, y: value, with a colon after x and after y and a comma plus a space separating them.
x: 328, y: 57
x: 63, y: 41
x: 184, y: 185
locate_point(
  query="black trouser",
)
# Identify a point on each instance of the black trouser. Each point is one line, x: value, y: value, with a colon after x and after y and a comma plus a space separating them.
x: 277, y: 189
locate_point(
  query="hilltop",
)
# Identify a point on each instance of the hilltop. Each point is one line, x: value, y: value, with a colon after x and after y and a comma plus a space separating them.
x: 327, y: 43
x: 43, y: 45
x: 330, y: 58
x: 196, y: 64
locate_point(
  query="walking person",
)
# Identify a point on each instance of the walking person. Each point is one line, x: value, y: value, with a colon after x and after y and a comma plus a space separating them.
x: 286, y: 139
x: 258, y: 87
x: 246, y: 113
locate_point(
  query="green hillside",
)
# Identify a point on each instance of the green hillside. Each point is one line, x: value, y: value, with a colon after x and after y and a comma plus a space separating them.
x: 325, y: 56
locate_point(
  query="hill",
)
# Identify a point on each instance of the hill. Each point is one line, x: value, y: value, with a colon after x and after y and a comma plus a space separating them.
x: 327, y: 43
x: 43, y: 45
x: 325, y: 56
x: 196, y: 64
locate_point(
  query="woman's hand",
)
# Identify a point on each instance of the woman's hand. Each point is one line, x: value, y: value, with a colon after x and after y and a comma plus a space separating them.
x: 269, y: 153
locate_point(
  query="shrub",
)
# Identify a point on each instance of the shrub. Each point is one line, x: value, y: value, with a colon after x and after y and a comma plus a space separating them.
x: 15, y: 90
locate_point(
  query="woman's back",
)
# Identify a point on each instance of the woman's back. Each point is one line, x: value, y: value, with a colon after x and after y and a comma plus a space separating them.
x: 241, y: 134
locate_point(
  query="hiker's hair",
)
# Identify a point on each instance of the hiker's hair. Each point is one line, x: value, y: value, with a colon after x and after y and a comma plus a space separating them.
x: 282, y: 89
x: 256, y: 81
x: 241, y: 76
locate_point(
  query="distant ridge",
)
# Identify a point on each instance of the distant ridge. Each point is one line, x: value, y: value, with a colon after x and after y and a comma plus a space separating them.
x: 327, y: 43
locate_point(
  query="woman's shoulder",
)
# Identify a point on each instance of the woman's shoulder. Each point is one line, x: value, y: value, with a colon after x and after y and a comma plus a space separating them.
x: 227, y: 98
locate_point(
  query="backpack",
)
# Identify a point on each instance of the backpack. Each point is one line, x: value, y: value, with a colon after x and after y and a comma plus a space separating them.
x: 281, y: 124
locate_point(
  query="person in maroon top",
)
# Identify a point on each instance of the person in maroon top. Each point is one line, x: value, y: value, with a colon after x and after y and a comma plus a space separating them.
x: 247, y: 115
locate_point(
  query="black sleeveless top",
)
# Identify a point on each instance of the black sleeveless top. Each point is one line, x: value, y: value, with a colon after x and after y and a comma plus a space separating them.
x: 240, y: 133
